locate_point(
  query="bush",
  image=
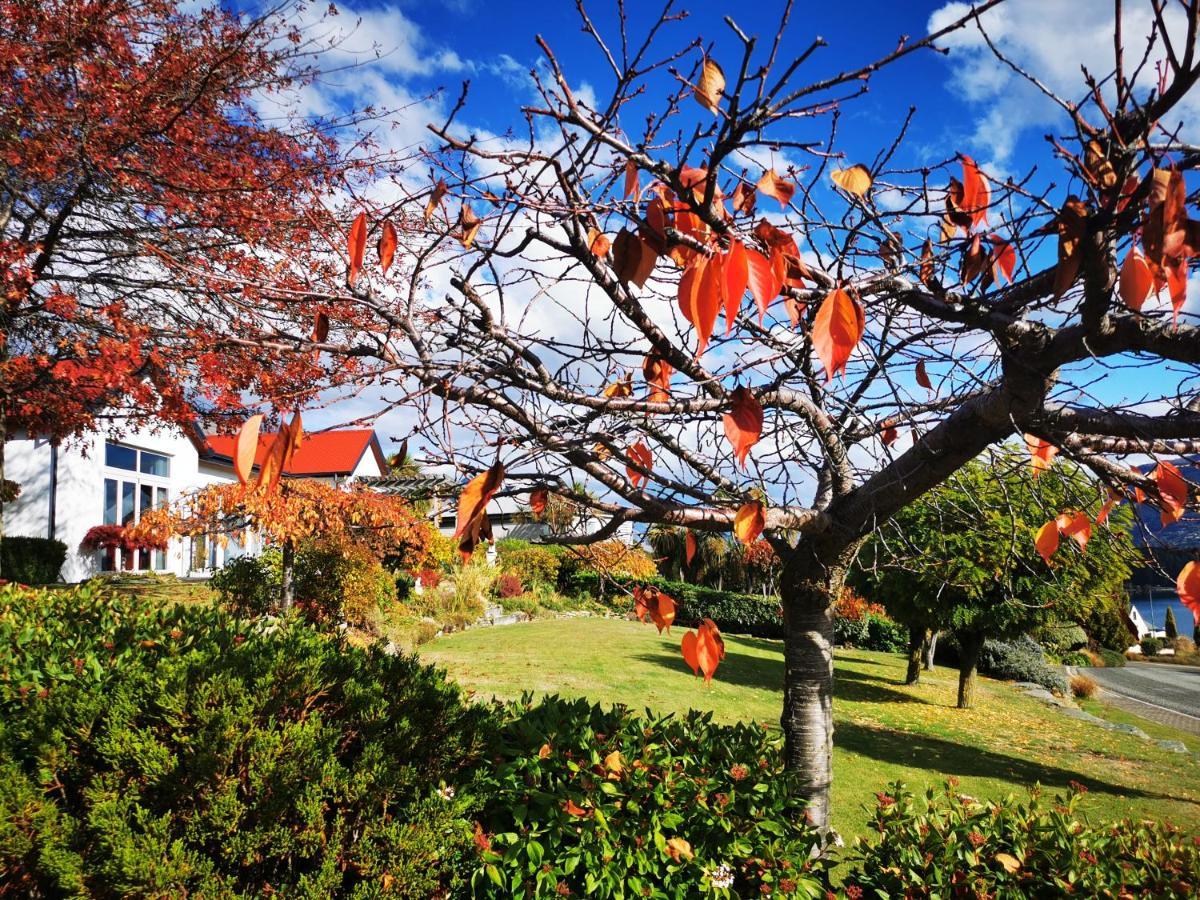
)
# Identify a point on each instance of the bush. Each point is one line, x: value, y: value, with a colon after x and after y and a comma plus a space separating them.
x: 31, y: 560
x: 873, y: 631
x: 508, y: 585
x: 1062, y: 637
x: 1020, y: 660
x: 533, y: 564
x: 1082, y: 687
x: 1183, y: 646
x: 341, y: 581
x: 179, y: 752
x: 592, y: 802
x: 955, y: 846
x: 1150, y: 646
x: 1079, y: 660
x: 1111, y: 658
x: 613, y: 559
x: 249, y: 585
x: 460, y: 603
x: 1105, y: 624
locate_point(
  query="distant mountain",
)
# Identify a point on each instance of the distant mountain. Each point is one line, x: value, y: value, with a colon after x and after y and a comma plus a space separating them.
x: 1182, y: 535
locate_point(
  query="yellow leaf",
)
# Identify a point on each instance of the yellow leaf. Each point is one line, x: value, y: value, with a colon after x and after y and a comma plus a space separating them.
x: 1010, y: 863
x: 709, y: 87
x: 854, y: 180
x: 678, y: 848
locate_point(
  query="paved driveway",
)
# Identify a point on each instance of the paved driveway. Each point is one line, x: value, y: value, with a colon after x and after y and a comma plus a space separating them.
x: 1159, y: 691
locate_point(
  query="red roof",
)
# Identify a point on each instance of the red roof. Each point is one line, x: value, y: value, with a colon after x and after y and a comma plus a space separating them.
x: 320, y: 453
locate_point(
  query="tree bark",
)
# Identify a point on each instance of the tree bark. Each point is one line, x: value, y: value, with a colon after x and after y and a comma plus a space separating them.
x: 930, y: 648
x: 917, y: 639
x: 287, y: 577
x: 969, y: 645
x: 810, y: 582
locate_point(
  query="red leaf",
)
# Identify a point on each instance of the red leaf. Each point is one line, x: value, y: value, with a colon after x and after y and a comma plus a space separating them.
x: 689, y: 547
x: 356, y: 246
x: 976, y: 192
x: 764, y: 286
x: 320, y: 328
x: 923, y: 376
x: 743, y: 423
x: 1041, y: 454
x: 574, y: 810
x: 737, y: 275
x: 744, y: 197
x: 246, y: 447
x: 639, y: 454
x: 538, y: 500
x: 632, y: 189
x: 889, y: 434
x: 387, y: 245
x: 688, y: 646
x: 749, y: 522
x: 657, y: 372
x: 1004, y: 259
x: 1076, y: 526
x: 1136, y: 280
x: 1173, y: 490
x: 1047, y: 540
x: 632, y: 259
x: 1188, y: 586
x: 836, y: 331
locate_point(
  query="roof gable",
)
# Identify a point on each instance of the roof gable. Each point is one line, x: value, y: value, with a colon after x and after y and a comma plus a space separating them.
x: 320, y: 453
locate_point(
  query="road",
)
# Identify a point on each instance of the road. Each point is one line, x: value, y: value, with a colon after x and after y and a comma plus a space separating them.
x: 1158, y: 691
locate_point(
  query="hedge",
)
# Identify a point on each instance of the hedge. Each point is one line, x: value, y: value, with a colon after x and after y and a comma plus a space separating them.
x: 31, y: 560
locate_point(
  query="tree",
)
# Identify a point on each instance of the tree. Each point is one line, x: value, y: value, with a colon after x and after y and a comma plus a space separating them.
x: 159, y: 235
x: 289, y: 512
x: 1172, y: 631
x: 560, y: 319
x: 963, y: 557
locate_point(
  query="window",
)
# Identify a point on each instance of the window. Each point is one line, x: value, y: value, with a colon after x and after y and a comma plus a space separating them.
x: 135, y: 484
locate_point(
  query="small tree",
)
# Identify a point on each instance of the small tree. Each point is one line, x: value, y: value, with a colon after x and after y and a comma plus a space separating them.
x: 1169, y: 625
x: 963, y: 557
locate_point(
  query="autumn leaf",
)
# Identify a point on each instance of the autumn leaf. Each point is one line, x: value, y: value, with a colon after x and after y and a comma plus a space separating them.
x: 922, y: 376
x: 1046, y: 540
x: 1114, y: 497
x: 614, y: 763
x: 320, y: 328
x: 632, y: 188
x: 538, y: 500
x: 356, y: 245
x: 976, y: 194
x: 1076, y: 526
x: 710, y: 648
x: 1041, y: 454
x: 974, y: 260
x: 689, y: 547
x: 632, y: 259
x: 837, y: 328
x: 435, y: 198
x: 1136, y: 280
x: 744, y: 198
x: 473, y: 501
x: 1188, y: 586
x: 764, y: 286
x: 1003, y: 258
x: 1008, y: 862
x: 246, y: 447
x: 387, y: 245
x: 657, y: 372
x: 926, y: 272
x: 678, y: 848
x: 774, y: 185
x: 749, y: 522
x: 599, y: 243
x: 574, y: 809
x: 743, y: 423
x: 707, y: 300
x: 1173, y: 490
x: 888, y: 434
x: 622, y: 387
x: 640, y: 455
x: 737, y: 276
x: 689, y: 647
x: 854, y: 180
x: 468, y: 226
x: 709, y: 87
x: 1072, y: 227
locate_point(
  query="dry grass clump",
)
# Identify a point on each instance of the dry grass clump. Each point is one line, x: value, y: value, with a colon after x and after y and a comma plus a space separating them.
x: 1082, y: 687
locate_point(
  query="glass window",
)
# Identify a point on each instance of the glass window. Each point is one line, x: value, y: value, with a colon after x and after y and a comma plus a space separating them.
x: 145, y: 500
x: 155, y: 464
x: 119, y: 457
x: 127, y: 511
x: 110, y: 502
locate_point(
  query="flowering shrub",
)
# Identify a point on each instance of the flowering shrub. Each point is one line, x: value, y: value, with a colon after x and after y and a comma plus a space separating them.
x: 855, y: 608
x: 429, y: 578
x: 952, y: 845
x: 509, y: 585
x: 589, y: 802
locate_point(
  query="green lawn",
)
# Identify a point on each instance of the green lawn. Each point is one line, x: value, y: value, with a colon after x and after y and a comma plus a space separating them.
x: 885, y: 731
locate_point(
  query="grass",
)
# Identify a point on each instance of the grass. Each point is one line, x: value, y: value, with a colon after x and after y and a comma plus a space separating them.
x: 885, y: 731
x: 1154, y: 729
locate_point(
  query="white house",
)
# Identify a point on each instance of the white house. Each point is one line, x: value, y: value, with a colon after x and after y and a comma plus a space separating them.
x: 65, y: 491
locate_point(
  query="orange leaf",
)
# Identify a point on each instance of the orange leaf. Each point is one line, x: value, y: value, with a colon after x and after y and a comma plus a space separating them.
x: 538, y: 500
x: 657, y: 372
x: 974, y: 260
x: 1136, y: 280
x: 976, y: 193
x: 1114, y: 497
x: 1188, y: 586
x: 737, y: 275
x: 706, y: 300
x: 854, y: 180
x: 710, y: 648
x: 320, y: 328
x: 889, y: 434
x: 709, y: 87
x: 926, y: 271
x: 622, y: 387
x: 598, y: 243
x: 662, y: 610
x: 743, y: 423
x: 689, y: 647
x: 678, y: 848
x: 387, y: 245
x: 1041, y: 454
x: 473, y: 501
x: 744, y: 197
x: 1076, y: 526
x: 836, y: 331
x: 575, y: 810
x: 435, y: 198
x: 1173, y: 490
x: 632, y: 188
x: 1004, y: 259
x: 356, y: 246
x: 632, y: 259
x: 246, y: 447
x: 749, y: 522
x: 689, y: 547
x: 468, y: 226
x: 1072, y: 226
x: 639, y: 454
x: 774, y: 185
x: 1047, y: 540
x: 764, y: 286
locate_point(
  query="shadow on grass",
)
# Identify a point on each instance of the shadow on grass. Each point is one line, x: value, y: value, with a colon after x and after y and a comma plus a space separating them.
x: 945, y: 758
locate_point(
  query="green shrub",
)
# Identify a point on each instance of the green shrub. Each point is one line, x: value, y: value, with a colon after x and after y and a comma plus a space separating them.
x: 954, y: 846
x: 1020, y: 660
x: 1150, y: 646
x: 1079, y: 660
x: 31, y: 560
x: 533, y: 564
x: 179, y: 752
x: 1111, y: 658
x: 249, y: 585
x: 602, y: 803
x: 341, y: 581
x: 1062, y: 637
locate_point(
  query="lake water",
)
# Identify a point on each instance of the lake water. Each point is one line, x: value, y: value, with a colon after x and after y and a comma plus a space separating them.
x: 1154, y: 611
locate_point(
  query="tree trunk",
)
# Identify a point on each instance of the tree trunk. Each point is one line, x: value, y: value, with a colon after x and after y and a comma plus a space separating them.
x: 930, y: 648
x: 917, y: 638
x: 969, y: 645
x: 287, y: 577
x: 807, y: 590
